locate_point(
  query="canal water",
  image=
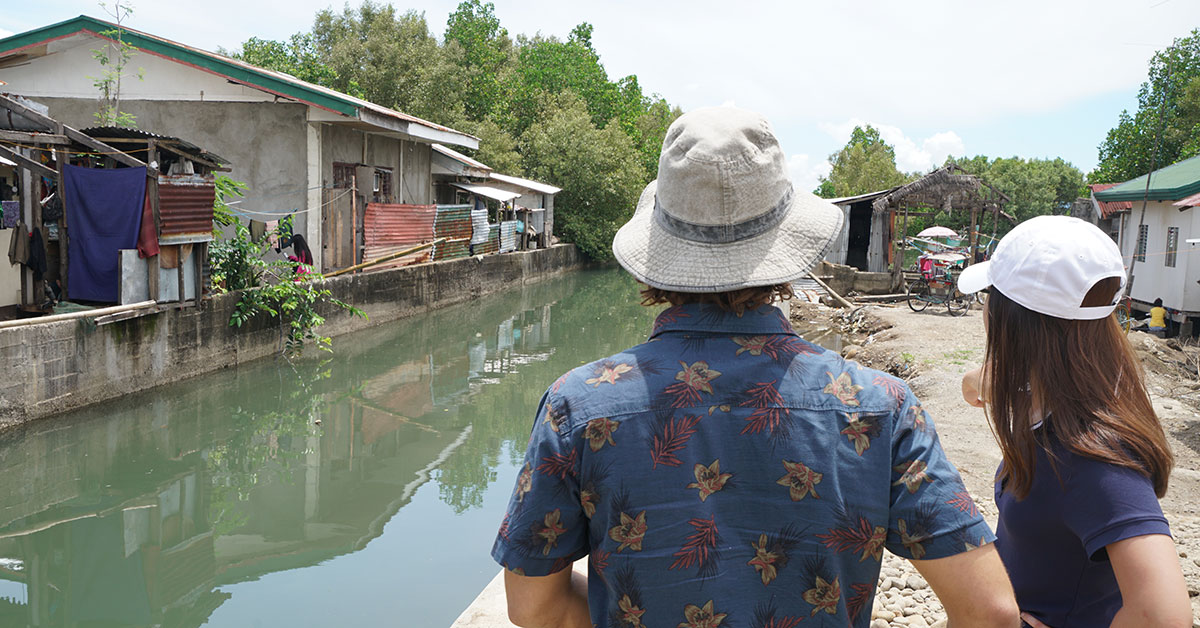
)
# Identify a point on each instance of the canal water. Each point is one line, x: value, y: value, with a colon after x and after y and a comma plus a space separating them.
x: 362, y: 488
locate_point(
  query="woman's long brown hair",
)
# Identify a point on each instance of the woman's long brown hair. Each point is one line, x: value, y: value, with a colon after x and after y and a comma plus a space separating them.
x: 1085, y: 379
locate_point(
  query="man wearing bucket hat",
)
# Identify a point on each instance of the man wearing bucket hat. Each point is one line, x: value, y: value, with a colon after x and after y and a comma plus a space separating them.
x: 727, y: 472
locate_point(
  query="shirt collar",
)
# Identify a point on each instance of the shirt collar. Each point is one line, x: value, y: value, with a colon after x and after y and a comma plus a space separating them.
x: 764, y: 320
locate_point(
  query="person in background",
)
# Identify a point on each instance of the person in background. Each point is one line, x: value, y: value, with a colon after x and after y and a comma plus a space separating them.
x: 727, y: 472
x: 301, y: 255
x: 1084, y: 456
x: 1158, y: 319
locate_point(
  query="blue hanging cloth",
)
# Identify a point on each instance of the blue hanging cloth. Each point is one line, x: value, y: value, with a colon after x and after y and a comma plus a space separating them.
x: 105, y: 212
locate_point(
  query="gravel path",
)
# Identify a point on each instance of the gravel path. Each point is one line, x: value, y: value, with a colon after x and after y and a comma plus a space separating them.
x: 932, y: 350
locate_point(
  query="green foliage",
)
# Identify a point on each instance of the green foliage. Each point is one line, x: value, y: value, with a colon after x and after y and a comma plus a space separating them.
x: 507, y: 93
x: 486, y: 51
x: 113, y: 57
x: 865, y: 164
x: 1168, y: 114
x: 598, y: 169
x: 275, y: 289
x: 1037, y: 187
x: 227, y: 188
x: 298, y: 56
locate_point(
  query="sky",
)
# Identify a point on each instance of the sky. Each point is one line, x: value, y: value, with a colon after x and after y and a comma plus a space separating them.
x: 1027, y: 78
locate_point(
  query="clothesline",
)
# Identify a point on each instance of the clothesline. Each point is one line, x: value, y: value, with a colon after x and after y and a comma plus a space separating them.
x: 245, y: 213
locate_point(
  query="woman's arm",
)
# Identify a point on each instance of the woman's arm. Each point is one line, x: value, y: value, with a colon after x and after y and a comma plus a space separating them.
x: 1152, y: 587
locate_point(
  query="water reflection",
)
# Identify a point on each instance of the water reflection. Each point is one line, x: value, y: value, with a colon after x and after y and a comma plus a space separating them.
x: 249, y: 497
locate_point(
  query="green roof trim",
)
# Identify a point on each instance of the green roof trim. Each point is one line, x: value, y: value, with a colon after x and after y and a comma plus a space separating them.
x: 192, y: 56
x: 1177, y: 181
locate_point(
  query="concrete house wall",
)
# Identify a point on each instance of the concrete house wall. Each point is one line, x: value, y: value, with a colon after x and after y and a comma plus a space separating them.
x: 1152, y: 277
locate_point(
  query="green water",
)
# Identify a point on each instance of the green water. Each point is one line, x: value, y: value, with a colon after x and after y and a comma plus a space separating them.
x: 362, y: 490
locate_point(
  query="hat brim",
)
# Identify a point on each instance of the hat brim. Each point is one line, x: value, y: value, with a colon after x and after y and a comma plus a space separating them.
x: 974, y: 278
x: 660, y: 259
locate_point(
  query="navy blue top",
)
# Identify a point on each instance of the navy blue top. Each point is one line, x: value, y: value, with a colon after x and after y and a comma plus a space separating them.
x: 1053, y: 542
x: 729, y: 474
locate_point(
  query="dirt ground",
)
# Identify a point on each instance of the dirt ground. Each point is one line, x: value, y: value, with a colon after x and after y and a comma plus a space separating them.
x: 932, y: 350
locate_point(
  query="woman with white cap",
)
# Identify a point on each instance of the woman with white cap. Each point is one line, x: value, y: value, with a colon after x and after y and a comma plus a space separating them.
x: 1081, y: 532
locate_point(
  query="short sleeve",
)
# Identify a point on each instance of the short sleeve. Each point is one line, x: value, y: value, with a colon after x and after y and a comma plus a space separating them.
x: 1104, y: 503
x: 932, y: 515
x: 544, y: 529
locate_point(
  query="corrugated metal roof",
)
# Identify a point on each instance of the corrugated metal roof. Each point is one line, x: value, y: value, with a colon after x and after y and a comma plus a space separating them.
x: 528, y: 184
x: 1176, y: 181
x: 389, y: 228
x: 869, y: 196
x: 487, y: 191
x: 240, y: 72
x: 185, y: 206
x: 138, y: 134
x: 1191, y: 201
x: 457, y: 156
x: 1108, y: 208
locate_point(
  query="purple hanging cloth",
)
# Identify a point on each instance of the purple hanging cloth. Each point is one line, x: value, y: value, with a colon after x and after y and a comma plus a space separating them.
x: 104, y: 209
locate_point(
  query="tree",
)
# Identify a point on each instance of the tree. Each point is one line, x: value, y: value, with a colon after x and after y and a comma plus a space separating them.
x: 378, y: 55
x: 599, y: 171
x: 865, y: 164
x: 298, y: 56
x: 114, y: 56
x: 486, y: 51
x: 1168, y: 115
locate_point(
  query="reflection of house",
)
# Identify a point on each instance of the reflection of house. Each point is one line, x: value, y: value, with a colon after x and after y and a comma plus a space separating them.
x: 1155, y: 243
x: 299, y: 146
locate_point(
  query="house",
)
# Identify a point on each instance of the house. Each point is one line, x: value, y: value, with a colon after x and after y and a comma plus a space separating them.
x: 1153, y: 234
x: 875, y: 222
x: 300, y: 147
x: 1109, y: 216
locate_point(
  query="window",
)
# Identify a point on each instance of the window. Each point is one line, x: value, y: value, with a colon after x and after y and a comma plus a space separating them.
x: 383, y: 185
x: 1172, y: 245
x: 1143, y: 235
x: 343, y: 176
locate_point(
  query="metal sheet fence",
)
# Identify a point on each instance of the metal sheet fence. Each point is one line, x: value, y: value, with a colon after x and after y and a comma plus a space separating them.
x: 185, y: 205
x: 390, y: 228
x: 453, y: 222
x: 508, y: 236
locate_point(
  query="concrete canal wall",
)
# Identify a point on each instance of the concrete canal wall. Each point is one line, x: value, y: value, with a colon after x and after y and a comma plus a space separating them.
x: 53, y: 367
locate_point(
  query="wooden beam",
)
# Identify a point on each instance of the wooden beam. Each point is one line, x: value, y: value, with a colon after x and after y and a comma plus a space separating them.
x: 211, y: 164
x: 27, y: 163
x: 34, y: 138
x: 51, y: 123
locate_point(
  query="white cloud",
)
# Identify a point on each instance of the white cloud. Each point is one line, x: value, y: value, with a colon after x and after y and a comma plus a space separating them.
x: 806, y: 171
x: 5, y: 33
x: 912, y: 155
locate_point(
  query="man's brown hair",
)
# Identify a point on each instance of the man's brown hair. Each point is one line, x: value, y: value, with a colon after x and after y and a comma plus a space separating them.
x: 1085, y: 379
x: 735, y: 301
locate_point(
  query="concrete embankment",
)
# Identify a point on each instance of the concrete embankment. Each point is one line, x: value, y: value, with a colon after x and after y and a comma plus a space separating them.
x: 54, y: 367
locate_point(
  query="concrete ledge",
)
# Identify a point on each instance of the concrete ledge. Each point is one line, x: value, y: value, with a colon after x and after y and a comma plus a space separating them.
x: 54, y: 367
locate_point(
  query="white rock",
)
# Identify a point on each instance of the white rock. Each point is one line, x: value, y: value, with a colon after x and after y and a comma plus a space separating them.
x: 883, y: 614
x: 917, y: 621
x: 941, y: 623
x: 879, y: 623
x: 916, y: 583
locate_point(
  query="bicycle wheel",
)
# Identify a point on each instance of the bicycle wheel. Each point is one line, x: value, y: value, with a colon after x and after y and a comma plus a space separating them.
x: 981, y: 297
x: 958, y: 304
x: 918, y: 295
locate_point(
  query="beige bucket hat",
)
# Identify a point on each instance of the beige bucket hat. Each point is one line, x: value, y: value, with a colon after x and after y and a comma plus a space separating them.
x: 723, y: 214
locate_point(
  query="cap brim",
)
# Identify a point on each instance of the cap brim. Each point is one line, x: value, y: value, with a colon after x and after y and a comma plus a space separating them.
x: 974, y: 278
x: 665, y: 261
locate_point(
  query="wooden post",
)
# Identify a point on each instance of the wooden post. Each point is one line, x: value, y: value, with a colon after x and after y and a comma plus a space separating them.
x: 152, y: 264
x: 354, y: 256
x: 60, y: 162
x: 27, y: 202
x: 199, y: 253
x: 972, y: 236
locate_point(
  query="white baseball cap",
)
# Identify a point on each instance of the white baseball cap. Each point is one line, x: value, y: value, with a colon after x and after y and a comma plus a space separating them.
x: 1048, y: 264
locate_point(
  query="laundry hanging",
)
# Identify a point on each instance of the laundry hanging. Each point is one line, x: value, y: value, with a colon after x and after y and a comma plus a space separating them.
x: 105, y: 210
x: 12, y: 214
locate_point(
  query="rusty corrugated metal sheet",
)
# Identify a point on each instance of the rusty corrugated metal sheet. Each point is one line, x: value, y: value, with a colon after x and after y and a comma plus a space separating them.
x: 185, y: 206
x: 453, y: 221
x: 452, y: 249
x: 493, y: 242
x: 390, y: 228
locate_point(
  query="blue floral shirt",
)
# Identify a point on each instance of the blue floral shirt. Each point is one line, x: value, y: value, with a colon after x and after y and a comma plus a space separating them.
x: 729, y: 473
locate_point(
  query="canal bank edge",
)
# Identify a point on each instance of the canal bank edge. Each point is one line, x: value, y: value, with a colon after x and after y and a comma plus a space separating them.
x: 51, y: 368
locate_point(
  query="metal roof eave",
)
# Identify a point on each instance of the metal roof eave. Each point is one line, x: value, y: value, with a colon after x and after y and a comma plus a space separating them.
x: 527, y: 184
x: 495, y: 194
